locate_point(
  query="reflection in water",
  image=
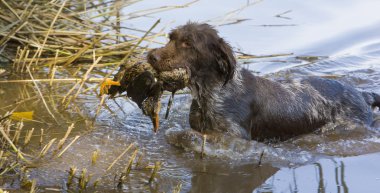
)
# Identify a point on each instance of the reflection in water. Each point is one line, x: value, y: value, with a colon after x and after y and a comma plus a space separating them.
x: 294, y: 181
x: 321, y: 183
x: 339, y: 179
x: 243, y: 178
x: 342, y: 175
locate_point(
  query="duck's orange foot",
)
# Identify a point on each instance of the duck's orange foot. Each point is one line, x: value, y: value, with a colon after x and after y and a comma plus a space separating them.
x: 105, y: 85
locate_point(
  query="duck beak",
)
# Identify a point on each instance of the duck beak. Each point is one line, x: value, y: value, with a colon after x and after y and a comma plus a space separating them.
x: 151, y: 107
x: 155, y: 117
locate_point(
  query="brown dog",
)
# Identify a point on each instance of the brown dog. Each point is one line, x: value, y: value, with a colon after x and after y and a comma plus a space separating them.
x: 234, y: 101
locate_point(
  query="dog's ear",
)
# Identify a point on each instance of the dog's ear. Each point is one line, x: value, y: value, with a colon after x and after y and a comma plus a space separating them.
x: 226, y: 60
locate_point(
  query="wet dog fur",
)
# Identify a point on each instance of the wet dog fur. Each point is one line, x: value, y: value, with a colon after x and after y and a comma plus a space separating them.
x: 233, y: 101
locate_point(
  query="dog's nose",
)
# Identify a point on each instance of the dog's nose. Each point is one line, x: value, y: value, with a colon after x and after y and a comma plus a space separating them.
x: 153, y: 57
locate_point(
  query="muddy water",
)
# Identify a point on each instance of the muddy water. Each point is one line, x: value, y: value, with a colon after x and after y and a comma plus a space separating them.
x: 343, y: 33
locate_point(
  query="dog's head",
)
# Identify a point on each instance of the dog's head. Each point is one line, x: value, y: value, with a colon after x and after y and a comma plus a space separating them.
x: 199, y: 49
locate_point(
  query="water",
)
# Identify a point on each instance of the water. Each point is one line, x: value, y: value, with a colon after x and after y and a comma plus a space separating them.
x: 343, y: 33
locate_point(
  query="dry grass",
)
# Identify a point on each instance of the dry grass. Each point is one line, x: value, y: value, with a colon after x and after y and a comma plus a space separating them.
x: 66, y: 33
x: 69, y: 41
x: 60, y: 35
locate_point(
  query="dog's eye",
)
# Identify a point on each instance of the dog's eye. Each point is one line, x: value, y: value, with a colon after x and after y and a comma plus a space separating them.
x: 185, y: 44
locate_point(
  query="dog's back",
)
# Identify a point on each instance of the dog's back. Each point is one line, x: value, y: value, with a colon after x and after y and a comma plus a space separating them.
x: 286, y: 110
x: 262, y: 109
x: 348, y: 100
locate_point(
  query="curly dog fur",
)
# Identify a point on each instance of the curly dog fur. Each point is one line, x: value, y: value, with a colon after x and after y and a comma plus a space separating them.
x: 232, y: 100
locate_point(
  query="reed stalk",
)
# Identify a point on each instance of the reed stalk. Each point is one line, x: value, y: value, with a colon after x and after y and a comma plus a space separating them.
x: 72, y: 172
x: 94, y: 157
x: 121, y: 155
x: 28, y: 136
x: 157, y: 167
x: 204, y: 138
x: 130, y: 162
x: 41, y: 137
x: 67, y: 147
x: 62, y: 141
x: 18, y: 152
x: 46, y: 148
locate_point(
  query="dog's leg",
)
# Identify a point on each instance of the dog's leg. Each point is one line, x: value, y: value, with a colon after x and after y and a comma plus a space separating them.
x: 372, y: 99
x: 376, y: 97
x: 376, y: 123
x: 195, y: 116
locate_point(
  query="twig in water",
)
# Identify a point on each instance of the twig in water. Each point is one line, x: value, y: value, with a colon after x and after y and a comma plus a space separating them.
x: 130, y: 163
x: 204, y: 138
x: 40, y: 94
x: 125, y: 151
x: 157, y: 167
x: 100, y: 105
x: 41, y: 137
x: 67, y: 147
x: 276, y: 25
x: 86, y: 75
x: 261, y: 158
x: 280, y: 15
x: 170, y: 103
x: 33, y: 188
x: 94, y: 157
x: 18, y: 152
x: 72, y: 172
x: 29, y: 134
x: 46, y: 148
x: 62, y: 141
x: 178, y: 188
x: 250, y: 56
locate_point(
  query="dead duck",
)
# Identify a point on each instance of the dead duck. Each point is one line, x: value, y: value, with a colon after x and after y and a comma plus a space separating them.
x: 145, y: 86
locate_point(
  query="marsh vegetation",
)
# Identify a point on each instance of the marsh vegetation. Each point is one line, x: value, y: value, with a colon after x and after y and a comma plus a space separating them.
x: 59, y: 134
